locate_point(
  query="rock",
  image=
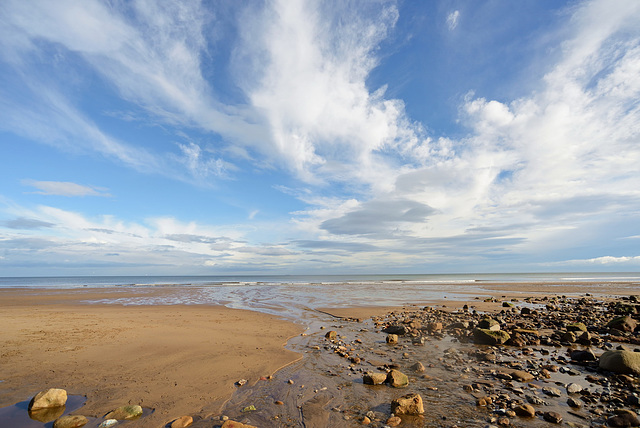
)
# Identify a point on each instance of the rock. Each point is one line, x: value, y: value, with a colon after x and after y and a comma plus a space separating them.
x: 578, y: 326
x: 553, y: 417
x: 394, y: 421
x: 572, y: 402
x: 489, y: 324
x: 525, y: 410
x: 366, y: 420
x: 522, y: 376
x: 250, y: 408
x: 241, y: 382
x: 52, y: 397
x: 182, y: 422
x: 586, y: 355
x: 490, y: 337
x: 233, y: 424
x: 569, y: 336
x: 574, y: 388
x: 331, y: 335
x: 397, y: 379
x: 108, y: 423
x: 400, y: 330
x: 70, y: 422
x: 618, y: 361
x: 410, y: 404
x: 434, y: 326
x: 125, y: 413
x: 418, y: 367
x: 625, y: 323
x: 551, y: 391
x: 374, y: 378
x: 392, y: 339
x: 278, y: 403
x: 624, y: 418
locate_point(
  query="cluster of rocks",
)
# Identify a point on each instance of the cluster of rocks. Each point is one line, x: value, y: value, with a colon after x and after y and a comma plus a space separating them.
x: 50, y: 405
x: 517, y: 363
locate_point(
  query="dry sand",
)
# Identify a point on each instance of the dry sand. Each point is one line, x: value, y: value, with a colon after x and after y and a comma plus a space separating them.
x: 178, y: 360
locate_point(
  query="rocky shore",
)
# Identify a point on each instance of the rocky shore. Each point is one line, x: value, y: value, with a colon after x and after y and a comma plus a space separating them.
x: 531, y: 362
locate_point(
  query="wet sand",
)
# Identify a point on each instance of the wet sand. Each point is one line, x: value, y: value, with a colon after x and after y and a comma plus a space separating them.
x: 178, y: 360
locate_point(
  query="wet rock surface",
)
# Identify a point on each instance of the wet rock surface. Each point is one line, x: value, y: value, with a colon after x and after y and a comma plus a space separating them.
x: 546, y: 372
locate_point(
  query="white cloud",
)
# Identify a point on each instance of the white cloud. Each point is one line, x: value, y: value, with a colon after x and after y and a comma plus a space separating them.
x: 605, y: 260
x: 452, y: 19
x: 65, y: 188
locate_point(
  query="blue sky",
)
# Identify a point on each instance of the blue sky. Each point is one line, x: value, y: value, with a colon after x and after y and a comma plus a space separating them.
x: 313, y: 137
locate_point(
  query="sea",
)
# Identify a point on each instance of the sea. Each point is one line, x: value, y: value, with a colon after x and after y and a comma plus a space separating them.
x: 293, y: 296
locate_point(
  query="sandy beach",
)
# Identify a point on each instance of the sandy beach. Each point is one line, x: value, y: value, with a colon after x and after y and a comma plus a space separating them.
x: 178, y: 360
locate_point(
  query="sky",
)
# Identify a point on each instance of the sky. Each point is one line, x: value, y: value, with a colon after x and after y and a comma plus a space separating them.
x: 150, y: 137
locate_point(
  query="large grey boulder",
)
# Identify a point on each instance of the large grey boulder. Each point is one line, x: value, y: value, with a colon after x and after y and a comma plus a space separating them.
x: 620, y: 361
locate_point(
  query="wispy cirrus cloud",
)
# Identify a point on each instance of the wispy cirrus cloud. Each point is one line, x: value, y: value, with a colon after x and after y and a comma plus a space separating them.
x: 65, y: 188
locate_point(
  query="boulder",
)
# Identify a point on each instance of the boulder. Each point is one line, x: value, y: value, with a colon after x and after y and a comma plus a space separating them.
x: 577, y: 326
x: 624, y: 418
x: 586, y: 355
x: 521, y: 375
x: 410, y: 404
x: 620, y: 361
x: 392, y: 339
x: 525, y: 410
x: 574, y: 388
x: 489, y: 324
x: 397, y: 379
x: 374, y: 378
x: 125, y: 413
x: 331, y: 335
x: 490, y: 337
x: 553, y: 417
x: 182, y: 422
x: 52, y: 397
x: 418, y: 367
x: 625, y: 323
x: 400, y: 330
x: 552, y: 391
x: 76, y: 421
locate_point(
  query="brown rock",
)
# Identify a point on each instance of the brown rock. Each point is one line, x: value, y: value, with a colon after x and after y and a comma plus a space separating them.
x: 525, y: 410
x: 70, y: 422
x: 52, y: 397
x: 553, y: 417
x: 620, y: 361
x: 521, y: 375
x: 331, y: 335
x: 392, y: 339
x: 397, y: 379
x: 418, y: 367
x: 125, y: 413
x: 374, y: 378
x: 624, y: 418
x: 182, y: 422
x: 625, y: 323
x: 410, y: 404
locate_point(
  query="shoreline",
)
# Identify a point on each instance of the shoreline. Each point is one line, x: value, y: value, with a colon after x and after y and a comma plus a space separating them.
x: 182, y: 359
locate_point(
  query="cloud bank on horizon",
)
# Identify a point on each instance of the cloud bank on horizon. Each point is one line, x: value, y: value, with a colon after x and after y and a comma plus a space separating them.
x: 319, y: 137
